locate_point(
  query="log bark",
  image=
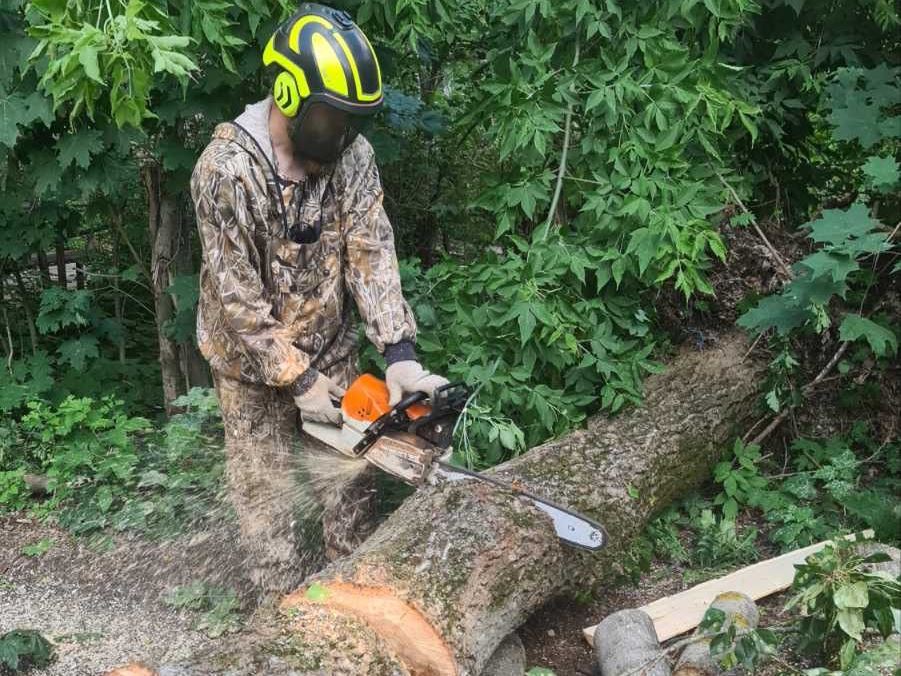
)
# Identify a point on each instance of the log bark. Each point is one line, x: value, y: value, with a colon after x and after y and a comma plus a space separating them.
x: 625, y: 643
x: 460, y: 566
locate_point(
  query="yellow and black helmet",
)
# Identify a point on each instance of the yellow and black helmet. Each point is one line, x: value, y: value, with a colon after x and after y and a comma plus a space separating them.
x: 324, y: 57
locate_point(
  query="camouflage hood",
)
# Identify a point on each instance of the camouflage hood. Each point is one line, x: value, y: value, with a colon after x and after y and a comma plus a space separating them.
x: 271, y: 307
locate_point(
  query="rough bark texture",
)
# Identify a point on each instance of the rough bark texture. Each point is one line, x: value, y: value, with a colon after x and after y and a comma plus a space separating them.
x: 193, y: 366
x: 626, y: 643
x: 741, y: 611
x: 458, y: 567
x: 162, y: 223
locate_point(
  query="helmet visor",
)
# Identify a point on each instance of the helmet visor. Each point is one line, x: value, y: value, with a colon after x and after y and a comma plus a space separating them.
x: 322, y: 132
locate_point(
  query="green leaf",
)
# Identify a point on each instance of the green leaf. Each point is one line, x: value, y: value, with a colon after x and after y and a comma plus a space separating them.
x: 851, y: 622
x: 77, y: 351
x: 838, y: 266
x: 882, y: 172
x: 317, y: 592
x: 526, y: 324
x: 79, y: 147
x: 852, y: 595
x: 13, y: 113
x: 540, y: 671
x: 881, y: 340
x: 773, y: 312
x: 836, y: 227
x: 87, y: 57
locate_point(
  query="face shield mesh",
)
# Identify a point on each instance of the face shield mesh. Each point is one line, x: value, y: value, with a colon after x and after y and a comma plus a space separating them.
x: 322, y: 132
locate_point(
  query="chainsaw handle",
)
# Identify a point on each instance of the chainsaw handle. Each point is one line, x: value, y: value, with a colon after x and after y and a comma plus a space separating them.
x: 409, y: 400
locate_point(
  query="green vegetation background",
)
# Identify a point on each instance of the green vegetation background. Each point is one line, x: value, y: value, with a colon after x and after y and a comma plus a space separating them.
x: 564, y: 179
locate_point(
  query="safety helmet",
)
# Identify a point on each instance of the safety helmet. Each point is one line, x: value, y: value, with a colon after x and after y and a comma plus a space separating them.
x: 328, y: 77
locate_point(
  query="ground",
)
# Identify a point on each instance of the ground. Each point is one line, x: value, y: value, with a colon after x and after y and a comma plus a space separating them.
x: 105, y: 608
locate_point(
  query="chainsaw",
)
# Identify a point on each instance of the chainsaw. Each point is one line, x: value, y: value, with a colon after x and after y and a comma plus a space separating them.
x: 412, y: 441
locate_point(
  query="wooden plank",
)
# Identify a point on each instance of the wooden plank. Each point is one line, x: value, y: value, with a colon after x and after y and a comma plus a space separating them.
x: 676, y: 614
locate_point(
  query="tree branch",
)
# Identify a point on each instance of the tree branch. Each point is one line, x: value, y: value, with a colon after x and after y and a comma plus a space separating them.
x: 786, y: 270
x: 561, y: 169
x: 805, y: 390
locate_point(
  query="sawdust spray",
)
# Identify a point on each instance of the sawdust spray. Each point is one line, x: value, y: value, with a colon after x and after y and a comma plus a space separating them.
x: 327, y: 474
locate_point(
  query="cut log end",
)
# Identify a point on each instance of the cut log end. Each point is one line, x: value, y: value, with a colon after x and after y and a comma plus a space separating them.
x: 626, y: 643
x: 403, y: 628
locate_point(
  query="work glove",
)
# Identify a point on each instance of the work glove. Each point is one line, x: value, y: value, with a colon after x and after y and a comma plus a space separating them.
x: 315, y: 400
x: 407, y: 376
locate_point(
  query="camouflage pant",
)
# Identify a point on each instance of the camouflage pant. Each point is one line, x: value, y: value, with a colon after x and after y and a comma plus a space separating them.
x: 268, y: 493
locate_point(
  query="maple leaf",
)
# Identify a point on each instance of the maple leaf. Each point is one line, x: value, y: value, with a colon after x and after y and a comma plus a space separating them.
x: 79, y: 147
x: 881, y: 340
x: 77, y: 351
x: 836, y: 227
x: 13, y: 112
x: 839, y: 266
x: 773, y: 312
x: 45, y: 171
x: 882, y: 172
x: 856, y: 120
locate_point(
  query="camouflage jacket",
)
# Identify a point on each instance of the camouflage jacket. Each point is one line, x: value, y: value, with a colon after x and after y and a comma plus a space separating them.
x: 269, y: 307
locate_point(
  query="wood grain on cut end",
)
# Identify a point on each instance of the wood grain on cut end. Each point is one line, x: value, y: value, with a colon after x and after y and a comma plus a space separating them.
x: 403, y: 628
x: 132, y: 669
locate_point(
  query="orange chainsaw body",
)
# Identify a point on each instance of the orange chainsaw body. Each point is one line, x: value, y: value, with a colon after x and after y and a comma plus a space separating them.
x: 366, y: 400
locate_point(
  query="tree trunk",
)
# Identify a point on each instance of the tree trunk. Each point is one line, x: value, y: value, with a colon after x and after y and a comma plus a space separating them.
x: 44, y: 268
x: 26, y: 306
x: 118, y: 301
x: 194, y: 366
x: 459, y: 566
x: 162, y: 213
x: 61, y: 263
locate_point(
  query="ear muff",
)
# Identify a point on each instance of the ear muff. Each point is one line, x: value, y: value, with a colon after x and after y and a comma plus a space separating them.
x: 285, y: 94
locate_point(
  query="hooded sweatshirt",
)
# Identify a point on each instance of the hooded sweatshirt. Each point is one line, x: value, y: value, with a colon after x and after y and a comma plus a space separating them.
x: 271, y: 308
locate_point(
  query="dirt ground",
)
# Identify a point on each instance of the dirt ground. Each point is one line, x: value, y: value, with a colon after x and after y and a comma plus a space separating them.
x: 104, y: 608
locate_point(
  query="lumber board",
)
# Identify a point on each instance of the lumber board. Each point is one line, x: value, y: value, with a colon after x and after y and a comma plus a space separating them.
x: 682, y: 612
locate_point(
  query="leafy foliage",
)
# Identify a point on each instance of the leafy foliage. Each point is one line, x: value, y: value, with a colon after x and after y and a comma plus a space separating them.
x: 839, y: 599
x: 107, y: 469
x: 218, y: 608
x: 734, y: 646
x: 24, y: 649
x: 845, y: 236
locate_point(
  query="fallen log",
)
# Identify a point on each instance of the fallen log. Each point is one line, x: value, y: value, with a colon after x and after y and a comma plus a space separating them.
x: 625, y: 643
x: 459, y: 567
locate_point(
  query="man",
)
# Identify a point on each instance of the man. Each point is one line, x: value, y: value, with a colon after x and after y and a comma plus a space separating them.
x: 289, y: 209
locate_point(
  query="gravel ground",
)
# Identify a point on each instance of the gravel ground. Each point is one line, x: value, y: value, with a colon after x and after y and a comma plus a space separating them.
x: 102, y: 610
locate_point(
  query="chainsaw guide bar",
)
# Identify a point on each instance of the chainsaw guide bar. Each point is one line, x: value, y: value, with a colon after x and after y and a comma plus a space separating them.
x: 411, y: 441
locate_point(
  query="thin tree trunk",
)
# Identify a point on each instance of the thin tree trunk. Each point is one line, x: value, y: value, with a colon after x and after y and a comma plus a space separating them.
x: 163, y: 230
x: 61, y: 262
x: 118, y: 301
x: 26, y: 306
x: 194, y: 366
x: 44, y: 269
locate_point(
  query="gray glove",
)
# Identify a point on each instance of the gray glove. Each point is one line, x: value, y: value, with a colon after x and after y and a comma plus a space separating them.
x: 315, y: 403
x: 407, y: 376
